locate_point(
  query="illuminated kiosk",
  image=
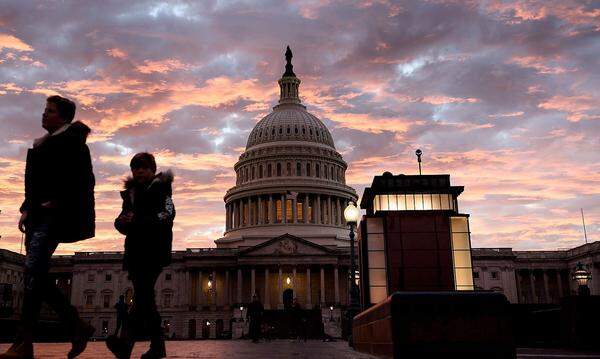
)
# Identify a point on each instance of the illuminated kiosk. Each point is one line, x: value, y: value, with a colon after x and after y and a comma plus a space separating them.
x: 413, y: 238
x: 416, y: 276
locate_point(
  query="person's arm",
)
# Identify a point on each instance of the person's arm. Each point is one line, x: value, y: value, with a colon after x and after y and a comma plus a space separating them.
x: 123, y: 221
x: 167, y: 212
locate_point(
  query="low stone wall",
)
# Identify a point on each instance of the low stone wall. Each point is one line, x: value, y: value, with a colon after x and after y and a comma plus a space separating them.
x: 429, y: 324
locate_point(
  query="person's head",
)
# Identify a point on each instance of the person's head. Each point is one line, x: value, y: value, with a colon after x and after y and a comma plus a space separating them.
x: 58, y: 112
x: 121, y: 298
x: 143, y: 167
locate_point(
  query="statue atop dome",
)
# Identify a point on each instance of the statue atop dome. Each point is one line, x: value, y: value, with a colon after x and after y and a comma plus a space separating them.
x: 289, y: 68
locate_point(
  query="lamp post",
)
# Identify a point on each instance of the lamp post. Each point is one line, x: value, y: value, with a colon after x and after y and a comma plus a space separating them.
x: 582, y: 276
x: 351, y: 214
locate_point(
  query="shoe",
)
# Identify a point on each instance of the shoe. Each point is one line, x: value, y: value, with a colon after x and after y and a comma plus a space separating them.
x: 83, y: 333
x: 19, y: 351
x: 156, y: 351
x: 120, y: 347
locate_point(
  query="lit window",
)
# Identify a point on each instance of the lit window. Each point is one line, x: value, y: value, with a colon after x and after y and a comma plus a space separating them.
x: 461, y: 253
x: 289, y: 210
x: 89, y: 300
x: 299, y: 207
x: 278, y: 211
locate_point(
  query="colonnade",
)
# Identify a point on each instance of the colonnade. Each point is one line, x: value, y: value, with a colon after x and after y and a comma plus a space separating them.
x: 282, y: 208
x: 229, y: 287
x: 531, y: 292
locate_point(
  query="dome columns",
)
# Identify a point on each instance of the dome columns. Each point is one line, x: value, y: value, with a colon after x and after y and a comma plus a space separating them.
x: 279, y: 209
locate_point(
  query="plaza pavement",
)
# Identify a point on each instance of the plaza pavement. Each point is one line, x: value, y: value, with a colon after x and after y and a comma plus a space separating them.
x: 278, y: 349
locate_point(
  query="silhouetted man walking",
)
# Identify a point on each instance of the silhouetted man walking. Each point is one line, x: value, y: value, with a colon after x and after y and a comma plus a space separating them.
x: 58, y: 208
x: 121, y: 308
x: 255, y: 314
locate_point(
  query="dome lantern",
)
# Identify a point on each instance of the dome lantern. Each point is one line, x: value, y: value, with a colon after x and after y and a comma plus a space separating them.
x: 289, y: 83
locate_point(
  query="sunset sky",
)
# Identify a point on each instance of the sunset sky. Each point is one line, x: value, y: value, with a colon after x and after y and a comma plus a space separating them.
x: 502, y: 95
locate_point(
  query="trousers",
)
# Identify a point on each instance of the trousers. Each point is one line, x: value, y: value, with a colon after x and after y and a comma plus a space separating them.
x: 38, y: 287
x: 143, y: 313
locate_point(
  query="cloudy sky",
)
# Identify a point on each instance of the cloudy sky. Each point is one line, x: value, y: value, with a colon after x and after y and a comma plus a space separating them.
x: 502, y: 95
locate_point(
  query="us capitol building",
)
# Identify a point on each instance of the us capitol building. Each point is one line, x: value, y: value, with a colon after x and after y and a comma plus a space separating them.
x: 285, y: 237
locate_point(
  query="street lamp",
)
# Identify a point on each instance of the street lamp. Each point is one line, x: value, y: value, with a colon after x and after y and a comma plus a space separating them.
x: 351, y: 214
x: 582, y: 276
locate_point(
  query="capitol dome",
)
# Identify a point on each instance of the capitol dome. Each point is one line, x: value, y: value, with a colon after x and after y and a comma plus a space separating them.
x: 289, y: 180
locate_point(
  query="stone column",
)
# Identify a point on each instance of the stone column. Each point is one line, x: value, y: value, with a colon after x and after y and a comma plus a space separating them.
x: 252, y: 282
x: 308, y: 290
x: 239, y: 285
x: 214, y: 288
x: 345, y: 204
x: 261, y: 220
x: 295, y: 210
x: 559, y: 283
x: 546, y: 288
x: 294, y: 281
x: 318, y: 210
x: 338, y: 212
x: 279, y: 291
x: 203, y: 297
x: 595, y: 274
x: 227, y: 292
x: 267, y: 297
x: 322, y: 286
x: 329, y: 219
x: 250, y: 216
x: 336, y: 282
x: 484, y: 278
x: 305, y: 209
x: 226, y: 217
x: 532, y: 283
x: 519, y: 287
x: 271, y: 220
x: 188, y: 287
x: 235, y: 217
x: 283, y: 209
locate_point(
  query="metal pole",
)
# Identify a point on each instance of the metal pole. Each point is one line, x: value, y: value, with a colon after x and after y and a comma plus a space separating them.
x: 353, y: 290
x: 584, y: 231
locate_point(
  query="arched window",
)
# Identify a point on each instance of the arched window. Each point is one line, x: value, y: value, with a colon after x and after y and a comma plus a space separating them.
x: 288, y: 168
x: 279, y: 170
x: 246, y: 174
x: 317, y: 171
x: 269, y: 170
x: 260, y: 171
x: 325, y: 172
x: 298, y: 169
x: 332, y: 174
x: 253, y: 170
x: 308, y: 169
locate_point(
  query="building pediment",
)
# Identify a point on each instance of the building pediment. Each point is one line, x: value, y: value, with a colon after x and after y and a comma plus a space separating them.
x: 286, y: 245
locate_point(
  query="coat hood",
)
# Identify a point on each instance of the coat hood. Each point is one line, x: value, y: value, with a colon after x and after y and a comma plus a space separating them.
x: 164, y: 178
x: 77, y: 130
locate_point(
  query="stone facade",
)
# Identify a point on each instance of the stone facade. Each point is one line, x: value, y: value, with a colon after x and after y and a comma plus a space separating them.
x: 535, y: 277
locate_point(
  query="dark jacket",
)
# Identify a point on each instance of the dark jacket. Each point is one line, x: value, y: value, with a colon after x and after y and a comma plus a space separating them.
x: 59, y: 170
x: 149, y: 235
